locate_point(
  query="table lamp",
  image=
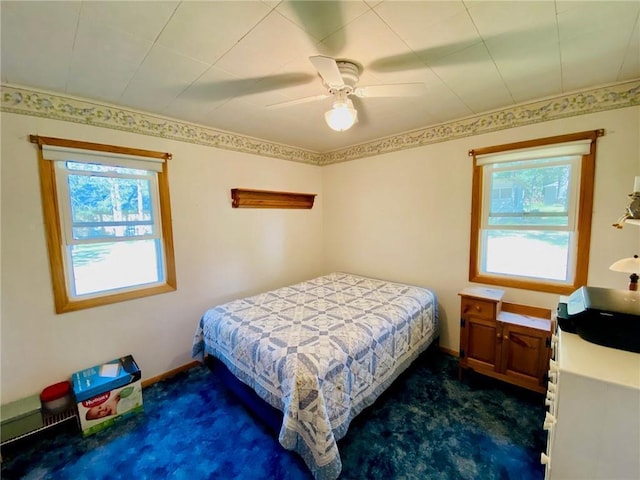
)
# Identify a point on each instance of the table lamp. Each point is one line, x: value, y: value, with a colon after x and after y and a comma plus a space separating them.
x: 628, y: 265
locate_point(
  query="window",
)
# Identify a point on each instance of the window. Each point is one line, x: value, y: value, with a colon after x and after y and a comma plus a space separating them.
x: 108, y: 221
x: 531, y: 213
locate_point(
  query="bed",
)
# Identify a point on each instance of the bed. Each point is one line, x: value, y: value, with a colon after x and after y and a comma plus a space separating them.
x: 320, y: 352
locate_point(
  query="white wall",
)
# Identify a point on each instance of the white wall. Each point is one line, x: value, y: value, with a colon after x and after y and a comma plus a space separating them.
x: 221, y: 254
x: 405, y: 216
x: 402, y: 216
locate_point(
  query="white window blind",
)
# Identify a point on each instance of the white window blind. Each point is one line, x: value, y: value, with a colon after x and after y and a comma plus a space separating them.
x: 580, y: 147
x: 55, y: 153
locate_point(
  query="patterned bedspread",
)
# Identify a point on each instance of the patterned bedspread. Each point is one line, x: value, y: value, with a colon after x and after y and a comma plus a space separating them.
x: 320, y: 351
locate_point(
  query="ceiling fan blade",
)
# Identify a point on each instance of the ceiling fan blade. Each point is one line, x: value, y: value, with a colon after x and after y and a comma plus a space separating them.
x: 393, y: 90
x: 299, y: 101
x: 328, y: 70
x: 363, y: 116
x: 395, y: 63
x: 423, y: 58
x: 237, y: 87
x: 318, y: 19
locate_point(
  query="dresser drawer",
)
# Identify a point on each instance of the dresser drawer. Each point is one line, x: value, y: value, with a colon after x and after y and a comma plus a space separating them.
x: 478, y: 308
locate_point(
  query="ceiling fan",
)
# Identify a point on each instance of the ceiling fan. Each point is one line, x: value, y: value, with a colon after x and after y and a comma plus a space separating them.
x: 340, y: 78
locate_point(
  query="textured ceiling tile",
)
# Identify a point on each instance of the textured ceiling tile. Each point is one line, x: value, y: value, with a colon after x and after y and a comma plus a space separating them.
x: 300, y: 80
x: 212, y: 89
x: 236, y: 116
x: 516, y: 70
x: 524, y: 87
x: 104, y: 59
x: 448, y: 28
x: 266, y: 48
x: 206, y: 30
x: 362, y: 46
x: 321, y: 18
x: 589, y: 60
x: 443, y: 103
x: 474, y: 78
x: 404, y: 115
x: 497, y: 18
x: 161, y: 78
x: 37, y: 42
x: 577, y: 19
x: 512, y: 30
x: 631, y: 65
x: 141, y: 19
x: 443, y: 27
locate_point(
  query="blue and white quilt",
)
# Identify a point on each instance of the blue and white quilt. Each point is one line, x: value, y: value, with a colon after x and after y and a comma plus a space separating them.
x: 320, y: 351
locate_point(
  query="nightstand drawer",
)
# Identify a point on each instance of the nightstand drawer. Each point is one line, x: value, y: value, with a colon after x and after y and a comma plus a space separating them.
x: 478, y: 308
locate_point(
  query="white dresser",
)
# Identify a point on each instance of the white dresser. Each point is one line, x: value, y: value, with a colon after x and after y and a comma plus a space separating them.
x: 593, y: 418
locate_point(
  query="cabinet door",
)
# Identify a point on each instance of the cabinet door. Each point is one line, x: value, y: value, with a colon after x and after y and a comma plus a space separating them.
x: 480, y: 343
x: 525, y: 356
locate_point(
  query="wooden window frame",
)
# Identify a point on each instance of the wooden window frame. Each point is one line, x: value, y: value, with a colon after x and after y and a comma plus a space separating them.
x: 55, y: 238
x: 583, y: 227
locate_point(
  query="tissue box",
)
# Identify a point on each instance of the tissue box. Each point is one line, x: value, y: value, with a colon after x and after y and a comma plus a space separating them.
x: 106, y: 393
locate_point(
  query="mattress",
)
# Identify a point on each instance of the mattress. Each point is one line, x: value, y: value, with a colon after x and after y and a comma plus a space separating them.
x: 320, y: 352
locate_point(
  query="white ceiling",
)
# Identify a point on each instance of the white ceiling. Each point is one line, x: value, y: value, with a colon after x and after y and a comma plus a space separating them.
x: 220, y: 63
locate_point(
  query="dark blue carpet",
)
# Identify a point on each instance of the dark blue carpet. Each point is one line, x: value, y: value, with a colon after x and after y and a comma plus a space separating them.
x: 428, y: 425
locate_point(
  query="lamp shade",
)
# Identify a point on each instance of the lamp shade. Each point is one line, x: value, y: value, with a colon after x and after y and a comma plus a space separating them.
x: 627, y: 265
x: 342, y: 116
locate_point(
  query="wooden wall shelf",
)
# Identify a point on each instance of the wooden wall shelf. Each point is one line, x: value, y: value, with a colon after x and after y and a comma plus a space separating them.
x: 246, y: 198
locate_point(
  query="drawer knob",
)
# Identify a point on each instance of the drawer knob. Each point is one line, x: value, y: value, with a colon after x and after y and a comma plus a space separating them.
x: 549, y: 421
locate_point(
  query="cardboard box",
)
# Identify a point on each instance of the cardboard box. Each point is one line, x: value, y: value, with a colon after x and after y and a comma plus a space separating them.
x: 21, y: 417
x: 106, y: 393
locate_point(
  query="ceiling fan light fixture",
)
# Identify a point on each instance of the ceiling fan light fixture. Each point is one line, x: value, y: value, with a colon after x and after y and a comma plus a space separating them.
x: 342, y: 116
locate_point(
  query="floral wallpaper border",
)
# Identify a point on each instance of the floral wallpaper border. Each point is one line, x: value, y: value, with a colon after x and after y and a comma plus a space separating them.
x: 48, y: 105
x: 625, y: 94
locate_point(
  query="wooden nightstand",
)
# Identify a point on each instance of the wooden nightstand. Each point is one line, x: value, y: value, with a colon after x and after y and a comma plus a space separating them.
x: 505, y: 341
